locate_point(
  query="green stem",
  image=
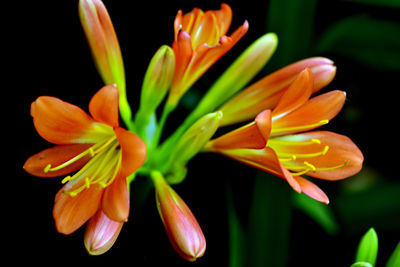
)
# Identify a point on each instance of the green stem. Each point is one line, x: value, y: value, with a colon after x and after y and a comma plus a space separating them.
x: 157, y: 136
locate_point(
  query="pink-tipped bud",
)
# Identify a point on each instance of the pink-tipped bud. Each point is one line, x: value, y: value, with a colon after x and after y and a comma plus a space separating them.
x: 101, y: 233
x: 181, y: 226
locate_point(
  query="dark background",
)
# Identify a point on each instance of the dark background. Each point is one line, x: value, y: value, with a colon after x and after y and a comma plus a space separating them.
x: 48, y: 55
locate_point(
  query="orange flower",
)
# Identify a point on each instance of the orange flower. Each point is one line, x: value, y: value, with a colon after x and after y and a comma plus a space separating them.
x: 102, y: 153
x: 276, y: 141
x: 200, y: 41
x: 265, y: 93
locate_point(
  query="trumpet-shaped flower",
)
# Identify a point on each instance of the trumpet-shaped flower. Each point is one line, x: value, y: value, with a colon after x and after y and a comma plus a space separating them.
x: 181, y: 226
x: 278, y: 141
x: 265, y: 93
x: 200, y: 41
x: 101, y: 154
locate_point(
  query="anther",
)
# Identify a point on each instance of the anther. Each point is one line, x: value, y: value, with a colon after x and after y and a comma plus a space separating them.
x: 87, y: 182
x: 66, y: 179
x: 316, y: 141
x: 47, y: 168
x: 312, y: 167
x: 102, y: 184
x: 91, y: 152
x: 72, y: 194
x: 326, y: 148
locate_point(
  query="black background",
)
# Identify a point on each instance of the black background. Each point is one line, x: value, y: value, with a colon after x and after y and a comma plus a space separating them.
x: 46, y: 54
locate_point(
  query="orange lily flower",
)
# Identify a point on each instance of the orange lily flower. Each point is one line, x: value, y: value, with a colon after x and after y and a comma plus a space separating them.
x: 277, y: 141
x: 265, y: 93
x: 102, y: 153
x: 200, y: 41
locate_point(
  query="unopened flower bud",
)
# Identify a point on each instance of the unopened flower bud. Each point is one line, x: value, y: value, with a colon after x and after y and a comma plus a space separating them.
x: 181, y: 226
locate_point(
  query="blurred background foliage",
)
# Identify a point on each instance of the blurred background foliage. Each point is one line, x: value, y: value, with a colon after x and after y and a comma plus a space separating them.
x: 249, y: 218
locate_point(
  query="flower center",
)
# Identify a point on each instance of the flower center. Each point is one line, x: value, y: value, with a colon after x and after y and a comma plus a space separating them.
x: 101, y: 169
x: 292, y: 155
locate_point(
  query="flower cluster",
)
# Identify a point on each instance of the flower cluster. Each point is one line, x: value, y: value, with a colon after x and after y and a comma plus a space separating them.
x: 100, y: 159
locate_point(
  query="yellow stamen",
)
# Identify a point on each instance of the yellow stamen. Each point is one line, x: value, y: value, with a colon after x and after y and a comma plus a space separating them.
x: 66, y: 179
x: 281, y: 141
x: 87, y: 182
x: 298, y: 128
x: 334, y: 167
x: 109, y: 141
x: 312, y: 167
x: 291, y: 158
x: 91, y: 151
x: 102, y: 169
x: 305, y: 155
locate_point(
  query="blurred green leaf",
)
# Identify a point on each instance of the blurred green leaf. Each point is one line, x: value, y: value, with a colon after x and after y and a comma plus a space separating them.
x: 385, y: 3
x: 370, y: 207
x: 367, y: 40
x: 394, y: 260
x: 237, y: 243
x: 368, y: 248
x: 269, y: 222
x: 293, y: 22
x: 321, y: 213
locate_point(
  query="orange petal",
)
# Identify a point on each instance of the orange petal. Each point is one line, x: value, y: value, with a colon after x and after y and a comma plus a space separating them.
x: 101, y: 233
x: 224, y: 18
x: 133, y: 151
x: 309, y: 116
x: 312, y: 190
x: 265, y: 93
x: 342, y: 159
x: 206, y: 31
x: 62, y: 123
x: 70, y: 213
x: 253, y: 135
x: 263, y: 159
x: 104, y: 105
x: 205, y: 55
x: 295, y: 96
x: 182, y: 47
x: 55, y: 156
x: 115, y: 203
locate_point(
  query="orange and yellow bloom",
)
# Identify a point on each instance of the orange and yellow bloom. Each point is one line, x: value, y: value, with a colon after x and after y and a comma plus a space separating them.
x: 200, y: 41
x: 99, y: 159
x: 101, y: 154
x: 278, y: 141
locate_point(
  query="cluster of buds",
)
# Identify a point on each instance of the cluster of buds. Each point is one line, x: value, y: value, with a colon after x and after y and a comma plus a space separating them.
x: 105, y: 158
